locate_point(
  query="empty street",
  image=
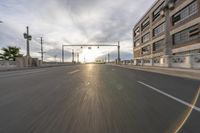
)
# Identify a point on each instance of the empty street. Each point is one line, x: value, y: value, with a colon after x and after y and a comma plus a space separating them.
x: 97, y: 99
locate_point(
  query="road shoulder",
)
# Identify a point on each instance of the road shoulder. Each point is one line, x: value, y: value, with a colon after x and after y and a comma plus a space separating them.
x: 183, y: 73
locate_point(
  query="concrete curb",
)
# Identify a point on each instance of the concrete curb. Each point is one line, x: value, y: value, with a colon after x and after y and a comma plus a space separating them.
x: 183, y: 73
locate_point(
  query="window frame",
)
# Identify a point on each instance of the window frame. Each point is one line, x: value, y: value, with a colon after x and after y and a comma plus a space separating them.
x: 158, y: 43
x: 188, y: 11
x: 180, y: 37
x: 144, y: 36
x: 158, y: 9
x: 145, y: 23
x: 159, y: 27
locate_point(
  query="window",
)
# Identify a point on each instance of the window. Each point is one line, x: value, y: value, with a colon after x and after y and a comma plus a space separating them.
x: 146, y: 50
x: 197, y: 51
x: 159, y: 45
x: 137, y: 53
x: 159, y: 29
x: 146, y: 60
x: 185, y: 13
x: 137, y: 32
x: 175, y: 1
x: 145, y: 24
x: 186, y: 35
x: 156, y: 13
x: 137, y: 43
x: 146, y: 38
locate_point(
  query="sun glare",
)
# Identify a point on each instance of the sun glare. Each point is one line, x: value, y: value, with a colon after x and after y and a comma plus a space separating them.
x: 90, y: 55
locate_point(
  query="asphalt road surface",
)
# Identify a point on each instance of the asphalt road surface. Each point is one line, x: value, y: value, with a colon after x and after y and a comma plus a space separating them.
x: 97, y: 99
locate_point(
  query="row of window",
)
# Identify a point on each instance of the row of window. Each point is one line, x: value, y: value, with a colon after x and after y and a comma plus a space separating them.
x: 188, y: 34
x: 138, y: 53
x: 183, y: 14
x: 156, y: 14
x: 146, y: 23
x: 179, y: 38
x: 156, y: 31
x: 186, y: 12
x: 158, y: 46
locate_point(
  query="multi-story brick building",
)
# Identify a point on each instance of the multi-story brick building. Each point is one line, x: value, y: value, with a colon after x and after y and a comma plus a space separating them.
x: 170, y: 27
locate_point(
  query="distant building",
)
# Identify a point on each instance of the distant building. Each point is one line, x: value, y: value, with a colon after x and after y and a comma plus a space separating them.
x: 170, y: 27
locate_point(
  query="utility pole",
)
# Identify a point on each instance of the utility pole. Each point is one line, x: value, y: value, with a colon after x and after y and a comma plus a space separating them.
x: 72, y: 55
x: 42, y: 52
x: 55, y: 56
x: 42, y: 56
x: 63, y: 54
x: 77, y: 57
x: 118, y: 49
x: 28, y: 38
x: 108, y: 57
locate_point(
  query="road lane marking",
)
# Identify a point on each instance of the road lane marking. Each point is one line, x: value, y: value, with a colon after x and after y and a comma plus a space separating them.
x: 188, y: 113
x: 172, y: 97
x: 74, y: 72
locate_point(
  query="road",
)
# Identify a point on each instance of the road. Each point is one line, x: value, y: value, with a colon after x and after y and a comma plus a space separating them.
x: 97, y: 99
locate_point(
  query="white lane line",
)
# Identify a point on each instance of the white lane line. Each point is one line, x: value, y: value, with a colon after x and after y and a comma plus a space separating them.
x: 172, y: 97
x: 74, y: 72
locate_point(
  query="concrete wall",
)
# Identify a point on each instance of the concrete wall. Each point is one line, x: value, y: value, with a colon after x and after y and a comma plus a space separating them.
x: 191, y: 61
x: 8, y: 64
x: 27, y: 62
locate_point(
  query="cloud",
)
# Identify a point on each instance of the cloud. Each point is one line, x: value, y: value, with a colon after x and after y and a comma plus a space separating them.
x: 70, y: 22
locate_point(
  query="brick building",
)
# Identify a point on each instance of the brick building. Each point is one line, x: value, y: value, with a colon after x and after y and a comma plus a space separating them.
x: 170, y: 27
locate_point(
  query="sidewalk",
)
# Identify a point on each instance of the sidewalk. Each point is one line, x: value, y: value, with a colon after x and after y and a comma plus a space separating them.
x: 179, y: 72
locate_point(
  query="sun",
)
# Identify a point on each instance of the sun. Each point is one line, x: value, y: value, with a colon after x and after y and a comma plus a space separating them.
x: 90, y: 55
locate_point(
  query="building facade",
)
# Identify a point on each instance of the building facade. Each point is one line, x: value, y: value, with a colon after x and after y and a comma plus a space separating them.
x: 169, y: 28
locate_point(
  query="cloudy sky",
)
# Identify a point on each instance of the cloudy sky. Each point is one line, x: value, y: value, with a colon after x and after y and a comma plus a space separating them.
x: 71, y: 22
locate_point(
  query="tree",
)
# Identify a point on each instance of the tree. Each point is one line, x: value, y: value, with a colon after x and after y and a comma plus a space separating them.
x: 10, y: 53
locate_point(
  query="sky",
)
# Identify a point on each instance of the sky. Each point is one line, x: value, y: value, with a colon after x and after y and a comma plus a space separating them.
x: 71, y: 22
